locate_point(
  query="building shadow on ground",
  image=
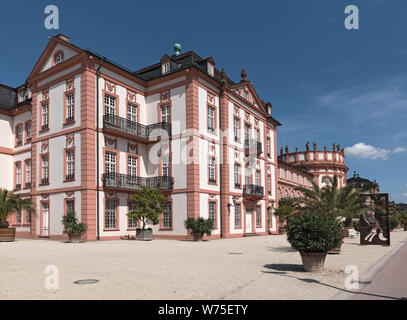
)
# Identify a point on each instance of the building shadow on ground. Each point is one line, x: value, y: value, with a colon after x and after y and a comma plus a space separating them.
x: 282, y: 269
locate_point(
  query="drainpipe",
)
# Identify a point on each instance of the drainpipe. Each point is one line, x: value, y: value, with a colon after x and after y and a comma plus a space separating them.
x: 97, y: 149
x: 220, y: 166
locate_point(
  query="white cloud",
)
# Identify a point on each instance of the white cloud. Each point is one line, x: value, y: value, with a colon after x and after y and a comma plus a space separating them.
x: 404, y: 194
x: 399, y: 150
x: 365, y: 151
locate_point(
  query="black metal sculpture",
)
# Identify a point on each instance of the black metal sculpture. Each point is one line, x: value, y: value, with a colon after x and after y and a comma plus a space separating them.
x: 375, y: 227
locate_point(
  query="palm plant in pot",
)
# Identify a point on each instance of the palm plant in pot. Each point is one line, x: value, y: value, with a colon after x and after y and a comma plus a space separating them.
x: 148, y: 205
x: 73, y: 227
x: 313, y: 235
x: 199, y: 227
x: 286, y: 207
x: 339, y: 203
x: 10, y: 203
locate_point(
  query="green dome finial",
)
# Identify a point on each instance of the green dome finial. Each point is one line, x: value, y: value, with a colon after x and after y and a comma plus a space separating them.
x: 177, y: 48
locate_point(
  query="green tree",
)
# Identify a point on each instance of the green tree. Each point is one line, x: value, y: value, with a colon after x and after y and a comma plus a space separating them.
x: 10, y: 203
x: 346, y: 202
x: 148, y: 205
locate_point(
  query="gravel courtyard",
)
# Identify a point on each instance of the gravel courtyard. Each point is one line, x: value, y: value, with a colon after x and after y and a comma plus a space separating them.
x: 243, y: 268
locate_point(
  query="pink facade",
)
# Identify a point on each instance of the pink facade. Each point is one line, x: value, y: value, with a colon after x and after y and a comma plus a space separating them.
x: 83, y: 134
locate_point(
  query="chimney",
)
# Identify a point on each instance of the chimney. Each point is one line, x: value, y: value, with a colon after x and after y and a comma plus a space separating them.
x: 63, y: 37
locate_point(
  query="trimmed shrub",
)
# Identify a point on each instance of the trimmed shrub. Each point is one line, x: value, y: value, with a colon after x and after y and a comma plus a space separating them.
x: 313, y: 232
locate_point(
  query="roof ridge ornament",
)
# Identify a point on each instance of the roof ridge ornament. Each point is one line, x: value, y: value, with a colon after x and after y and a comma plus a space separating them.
x: 177, y: 48
x: 243, y: 75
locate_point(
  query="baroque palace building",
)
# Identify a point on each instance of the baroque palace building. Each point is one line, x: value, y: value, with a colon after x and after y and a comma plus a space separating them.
x: 83, y: 133
x: 300, y: 168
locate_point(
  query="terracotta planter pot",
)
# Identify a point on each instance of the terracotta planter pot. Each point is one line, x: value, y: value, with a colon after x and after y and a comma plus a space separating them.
x: 144, y: 235
x: 4, y: 225
x: 405, y: 228
x: 282, y: 230
x: 198, y: 236
x: 336, y: 250
x: 313, y: 262
x: 7, y: 235
x: 75, y: 237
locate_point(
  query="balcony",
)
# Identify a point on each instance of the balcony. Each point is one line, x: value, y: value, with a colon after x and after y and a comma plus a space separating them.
x: 135, y: 130
x: 134, y: 183
x: 28, y: 185
x: 252, y: 191
x: 70, y: 177
x: 252, y: 146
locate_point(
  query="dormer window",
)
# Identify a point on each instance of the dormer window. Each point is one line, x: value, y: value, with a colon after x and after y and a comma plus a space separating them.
x: 165, y: 68
x: 23, y: 95
x: 211, y: 69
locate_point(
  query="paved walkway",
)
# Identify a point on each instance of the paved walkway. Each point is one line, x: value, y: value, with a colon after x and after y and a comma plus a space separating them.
x: 390, y: 280
x: 242, y: 268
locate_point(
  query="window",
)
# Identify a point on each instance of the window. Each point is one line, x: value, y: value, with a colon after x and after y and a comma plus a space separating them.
x: 110, y: 214
x: 211, y: 119
x: 166, y: 68
x: 70, y: 107
x: 258, y: 217
x: 132, y: 112
x: 268, y: 147
x: 28, y: 215
x: 212, y: 211
x: 110, y: 162
x: 18, y: 175
x: 23, y: 95
x: 132, y: 164
x: 110, y: 105
x: 132, y: 222
x: 246, y: 132
x: 19, y: 216
x: 59, y: 58
x: 211, y: 167
x: 28, y: 129
x: 257, y: 178
x: 236, y: 128
x: 28, y: 173
x: 237, y: 175
x: 19, y: 135
x: 269, y: 183
x: 247, y: 176
x: 211, y: 69
x: 45, y: 116
x: 165, y: 113
x: 44, y: 169
x: 166, y: 166
x: 167, y: 218
x: 70, y: 206
x: 237, y: 215
x: 257, y: 135
x: 70, y: 165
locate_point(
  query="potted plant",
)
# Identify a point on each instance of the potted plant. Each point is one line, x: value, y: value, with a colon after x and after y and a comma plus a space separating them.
x: 73, y: 227
x: 338, y: 203
x: 148, y: 205
x: 313, y: 235
x: 286, y: 207
x: 9, y: 204
x: 199, y: 227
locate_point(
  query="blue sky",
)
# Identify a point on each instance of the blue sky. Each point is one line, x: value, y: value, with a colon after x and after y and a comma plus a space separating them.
x: 327, y: 84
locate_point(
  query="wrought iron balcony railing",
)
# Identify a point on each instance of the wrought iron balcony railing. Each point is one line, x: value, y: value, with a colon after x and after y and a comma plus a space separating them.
x: 253, y: 190
x: 135, y: 128
x: 124, y: 181
x: 251, y: 144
